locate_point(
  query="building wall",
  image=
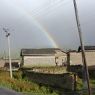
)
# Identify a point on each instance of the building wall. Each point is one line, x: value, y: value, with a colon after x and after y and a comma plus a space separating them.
x: 76, y: 59
x: 61, y: 57
x: 39, y: 61
x: 5, y: 63
x: 2, y: 63
x: 90, y: 58
x: 61, y: 60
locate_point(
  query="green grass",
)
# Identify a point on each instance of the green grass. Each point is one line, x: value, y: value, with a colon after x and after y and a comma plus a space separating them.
x: 92, y: 82
x: 80, y: 86
x: 21, y: 84
x: 39, y: 94
x: 41, y: 83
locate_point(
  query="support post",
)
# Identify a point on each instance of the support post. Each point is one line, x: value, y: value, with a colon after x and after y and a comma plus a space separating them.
x: 10, y: 63
x: 68, y: 61
x: 85, y: 67
x: 9, y: 51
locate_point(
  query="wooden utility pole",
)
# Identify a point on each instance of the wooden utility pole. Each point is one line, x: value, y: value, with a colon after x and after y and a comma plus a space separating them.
x: 68, y: 61
x: 85, y: 67
x: 75, y: 82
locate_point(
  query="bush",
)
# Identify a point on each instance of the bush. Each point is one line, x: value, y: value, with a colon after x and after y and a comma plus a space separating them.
x: 20, y: 84
x: 17, y: 75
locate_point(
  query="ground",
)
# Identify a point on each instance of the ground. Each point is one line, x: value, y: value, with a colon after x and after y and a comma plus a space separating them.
x: 4, y: 91
x: 35, y: 83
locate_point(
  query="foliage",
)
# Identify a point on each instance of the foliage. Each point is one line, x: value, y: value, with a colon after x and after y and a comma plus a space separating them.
x: 18, y: 83
x: 79, y: 84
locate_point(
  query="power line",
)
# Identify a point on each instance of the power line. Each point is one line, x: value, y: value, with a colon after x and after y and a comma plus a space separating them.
x: 46, y: 7
x: 53, y: 7
x: 52, y: 10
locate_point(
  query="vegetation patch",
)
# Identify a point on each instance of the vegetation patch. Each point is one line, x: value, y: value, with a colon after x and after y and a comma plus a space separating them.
x: 21, y: 84
x: 33, y: 83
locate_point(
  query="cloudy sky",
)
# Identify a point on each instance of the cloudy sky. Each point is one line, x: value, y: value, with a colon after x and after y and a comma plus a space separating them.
x: 45, y: 23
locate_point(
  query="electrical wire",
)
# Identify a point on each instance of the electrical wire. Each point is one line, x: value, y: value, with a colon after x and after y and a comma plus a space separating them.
x: 39, y: 9
x: 52, y: 8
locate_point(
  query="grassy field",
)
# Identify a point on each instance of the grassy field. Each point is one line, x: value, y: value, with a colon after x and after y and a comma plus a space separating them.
x: 36, y: 83
x: 21, y: 84
x: 41, y: 83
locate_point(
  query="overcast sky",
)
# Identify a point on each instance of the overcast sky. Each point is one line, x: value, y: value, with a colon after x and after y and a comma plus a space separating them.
x: 28, y: 19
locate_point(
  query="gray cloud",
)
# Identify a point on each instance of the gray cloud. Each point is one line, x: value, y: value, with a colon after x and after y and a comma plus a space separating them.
x: 57, y: 16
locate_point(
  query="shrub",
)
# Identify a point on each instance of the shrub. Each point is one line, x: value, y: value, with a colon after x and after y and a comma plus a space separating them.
x: 18, y: 83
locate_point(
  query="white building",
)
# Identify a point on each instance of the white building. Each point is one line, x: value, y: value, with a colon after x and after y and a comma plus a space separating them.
x: 76, y: 58
x: 42, y: 57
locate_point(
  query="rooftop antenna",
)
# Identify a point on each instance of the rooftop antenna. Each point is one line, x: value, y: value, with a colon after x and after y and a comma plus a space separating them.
x: 9, y: 52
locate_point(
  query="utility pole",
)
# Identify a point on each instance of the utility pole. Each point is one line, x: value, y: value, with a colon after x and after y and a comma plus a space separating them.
x: 85, y: 67
x: 9, y: 52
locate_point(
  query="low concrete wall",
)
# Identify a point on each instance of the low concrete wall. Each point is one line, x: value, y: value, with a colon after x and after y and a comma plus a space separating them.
x: 63, y: 81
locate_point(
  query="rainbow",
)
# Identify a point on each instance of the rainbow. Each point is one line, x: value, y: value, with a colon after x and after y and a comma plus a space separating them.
x: 36, y: 22
x: 46, y: 33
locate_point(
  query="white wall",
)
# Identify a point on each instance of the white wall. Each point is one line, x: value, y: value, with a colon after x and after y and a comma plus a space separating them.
x: 90, y: 58
x: 75, y: 58
x: 2, y: 63
x: 39, y: 61
x: 62, y: 57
